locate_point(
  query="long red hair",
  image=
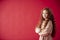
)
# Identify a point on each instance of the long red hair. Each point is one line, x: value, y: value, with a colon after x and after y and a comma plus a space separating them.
x: 50, y: 17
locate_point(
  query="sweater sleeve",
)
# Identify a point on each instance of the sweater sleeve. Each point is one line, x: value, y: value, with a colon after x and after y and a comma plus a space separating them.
x: 48, y: 29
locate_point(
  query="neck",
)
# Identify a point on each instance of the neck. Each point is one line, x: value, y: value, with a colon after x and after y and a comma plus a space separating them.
x: 46, y: 19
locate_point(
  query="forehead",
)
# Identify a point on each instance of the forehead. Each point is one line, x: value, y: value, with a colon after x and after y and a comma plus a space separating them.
x: 44, y: 11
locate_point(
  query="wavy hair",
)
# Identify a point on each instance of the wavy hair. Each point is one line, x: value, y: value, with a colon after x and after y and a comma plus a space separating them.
x: 50, y: 17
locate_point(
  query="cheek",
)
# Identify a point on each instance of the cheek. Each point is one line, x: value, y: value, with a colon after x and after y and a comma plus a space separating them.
x: 44, y: 15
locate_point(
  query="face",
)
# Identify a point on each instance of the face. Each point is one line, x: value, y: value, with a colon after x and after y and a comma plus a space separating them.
x: 45, y: 14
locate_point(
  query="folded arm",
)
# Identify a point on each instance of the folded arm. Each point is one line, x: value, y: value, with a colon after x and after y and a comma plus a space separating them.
x: 47, y: 30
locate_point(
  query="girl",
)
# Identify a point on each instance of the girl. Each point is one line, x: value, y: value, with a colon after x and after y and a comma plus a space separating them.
x: 46, y: 29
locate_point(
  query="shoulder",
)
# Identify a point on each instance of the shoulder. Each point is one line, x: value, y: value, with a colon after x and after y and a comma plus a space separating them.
x: 50, y: 21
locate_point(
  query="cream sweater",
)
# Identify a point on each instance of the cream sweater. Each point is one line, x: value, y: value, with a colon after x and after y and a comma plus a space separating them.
x: 46, y: 30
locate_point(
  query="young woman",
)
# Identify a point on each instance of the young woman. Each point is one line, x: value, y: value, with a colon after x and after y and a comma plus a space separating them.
x: 46, y: 29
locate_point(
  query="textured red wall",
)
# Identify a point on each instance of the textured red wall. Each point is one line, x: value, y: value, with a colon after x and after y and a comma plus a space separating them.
x: 19, y: 18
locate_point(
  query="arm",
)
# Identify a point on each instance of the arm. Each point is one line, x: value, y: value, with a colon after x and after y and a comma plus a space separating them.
x: 47, y: 30
x: 37, y: 30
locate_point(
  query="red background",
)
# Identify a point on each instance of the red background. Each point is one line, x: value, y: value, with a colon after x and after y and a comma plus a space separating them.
x: 19, y: 18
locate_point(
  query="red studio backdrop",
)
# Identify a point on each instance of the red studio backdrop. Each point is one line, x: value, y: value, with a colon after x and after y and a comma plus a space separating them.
x: 18, y: 19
